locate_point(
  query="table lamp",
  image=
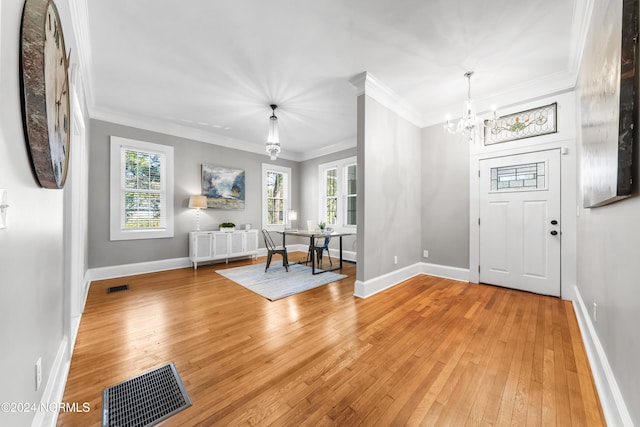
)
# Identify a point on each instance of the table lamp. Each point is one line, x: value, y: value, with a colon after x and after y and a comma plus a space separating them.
x: 198, y: 202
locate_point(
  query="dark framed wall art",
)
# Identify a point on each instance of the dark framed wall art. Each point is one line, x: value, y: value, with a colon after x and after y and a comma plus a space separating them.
x: 608, y: 107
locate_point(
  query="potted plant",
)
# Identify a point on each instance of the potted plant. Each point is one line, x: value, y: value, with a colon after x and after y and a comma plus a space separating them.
x: 227, y: 227
x: 322, y: 225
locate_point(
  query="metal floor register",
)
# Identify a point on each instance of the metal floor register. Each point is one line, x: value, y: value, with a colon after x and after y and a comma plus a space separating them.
x: 144, y: 400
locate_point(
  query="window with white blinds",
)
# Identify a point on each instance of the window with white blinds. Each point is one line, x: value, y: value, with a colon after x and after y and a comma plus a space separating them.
x: 141, y: 190
x: 276, y: 188
x: 338, y: 196
x: 330, y: 201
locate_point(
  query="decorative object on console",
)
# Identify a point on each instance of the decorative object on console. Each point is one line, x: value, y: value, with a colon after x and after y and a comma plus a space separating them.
x: 45, y: 92
x: 228, y: 227
x: 273, y: 141
x: 525, y: 124
x: 198, y: 202
x: 224, y: 187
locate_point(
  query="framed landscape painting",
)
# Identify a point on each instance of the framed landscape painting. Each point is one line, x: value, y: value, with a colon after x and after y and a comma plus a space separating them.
x: 224, y: 187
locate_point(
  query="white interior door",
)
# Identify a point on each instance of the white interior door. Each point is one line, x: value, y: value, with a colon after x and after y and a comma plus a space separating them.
x: 520, y: 222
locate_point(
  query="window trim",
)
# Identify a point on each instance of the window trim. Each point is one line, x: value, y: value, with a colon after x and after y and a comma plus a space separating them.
x: 346, y: 195
x: 116, y: 205
x: 266, y: 167
x: 341, y: 167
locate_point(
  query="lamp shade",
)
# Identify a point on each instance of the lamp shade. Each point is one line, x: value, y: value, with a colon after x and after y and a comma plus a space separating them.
x: 273, y: 130
x: 198, y: 202
x: 273, y: 142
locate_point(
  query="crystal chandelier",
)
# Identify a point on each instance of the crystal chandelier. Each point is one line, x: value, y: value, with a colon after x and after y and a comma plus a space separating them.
x: 468, y: 123
x: 273, y: 142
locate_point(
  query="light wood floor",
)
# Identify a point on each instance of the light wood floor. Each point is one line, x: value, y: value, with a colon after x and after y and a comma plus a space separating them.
x: 429, y: 351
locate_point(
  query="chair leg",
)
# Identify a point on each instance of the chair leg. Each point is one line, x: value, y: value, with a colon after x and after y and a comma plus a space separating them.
x: 329, y: 256
x: 285, y: 261
x: 269, y: 254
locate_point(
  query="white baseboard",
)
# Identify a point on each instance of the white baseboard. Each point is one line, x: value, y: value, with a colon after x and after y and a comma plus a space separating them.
x: 378, y: 284
x: 453, y: 273
x: 346, y: 255
x: 367, y: 288
x: 111, y: 272
x: 613, y: 406
x: 47, y: 415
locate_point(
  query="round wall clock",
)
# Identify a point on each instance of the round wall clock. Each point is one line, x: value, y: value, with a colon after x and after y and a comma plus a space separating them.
x: 45, y: 92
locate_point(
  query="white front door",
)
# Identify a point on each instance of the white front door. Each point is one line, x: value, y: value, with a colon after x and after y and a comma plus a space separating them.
x: 520, y: 222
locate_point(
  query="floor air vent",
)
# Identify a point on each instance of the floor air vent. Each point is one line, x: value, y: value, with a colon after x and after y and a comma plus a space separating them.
x: 117, y: 289
x: 145, y: 400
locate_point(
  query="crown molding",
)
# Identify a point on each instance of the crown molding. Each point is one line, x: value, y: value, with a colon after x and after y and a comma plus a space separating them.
x: 345, y: 144
x: 582, y: 12
x: 80, y: 24
x: 182, y: 131
x: 178, y: 130
x: 365, y: 83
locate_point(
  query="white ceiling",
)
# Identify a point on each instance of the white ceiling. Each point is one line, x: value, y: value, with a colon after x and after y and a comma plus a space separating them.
x: 203, y: 67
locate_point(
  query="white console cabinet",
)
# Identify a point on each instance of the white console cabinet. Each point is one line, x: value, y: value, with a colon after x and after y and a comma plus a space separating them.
x: 217, y: 245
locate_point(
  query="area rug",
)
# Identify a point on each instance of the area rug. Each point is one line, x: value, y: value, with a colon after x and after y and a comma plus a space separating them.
x: 276, y: 283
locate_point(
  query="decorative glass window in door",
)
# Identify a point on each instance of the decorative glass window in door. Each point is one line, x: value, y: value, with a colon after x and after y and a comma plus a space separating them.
x: 530, y: 176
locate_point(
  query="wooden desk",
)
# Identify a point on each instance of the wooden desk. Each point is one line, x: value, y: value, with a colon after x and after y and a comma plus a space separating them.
x: 315, y: 235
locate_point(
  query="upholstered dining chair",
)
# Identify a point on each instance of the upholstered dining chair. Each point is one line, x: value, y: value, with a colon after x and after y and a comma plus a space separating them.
x: 272, y: 248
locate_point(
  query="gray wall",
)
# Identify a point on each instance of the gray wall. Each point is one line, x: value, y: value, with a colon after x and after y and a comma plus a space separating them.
x: 608, y: 257
x: 309, y: 191
x: 445, y: 197
x: 389, y: 213
x: 32, y: 287
x: 188, y: 157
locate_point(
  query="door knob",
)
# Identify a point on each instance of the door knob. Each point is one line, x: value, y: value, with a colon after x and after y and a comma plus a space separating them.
x: 554, y: 233
x: 554, y: 222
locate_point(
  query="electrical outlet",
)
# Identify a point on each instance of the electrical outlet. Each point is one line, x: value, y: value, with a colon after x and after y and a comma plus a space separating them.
x: 425, y: 254
x: 38, y: 373
x: 595, y: 312
x: 395, y: 259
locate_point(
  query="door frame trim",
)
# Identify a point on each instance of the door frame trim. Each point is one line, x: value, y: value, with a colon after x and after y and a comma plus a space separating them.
x: 568, y: 191
x: 553, y: 281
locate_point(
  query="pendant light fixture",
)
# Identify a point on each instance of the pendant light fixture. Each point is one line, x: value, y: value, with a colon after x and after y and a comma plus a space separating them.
x: 273, y: 142
x: 469, y: 121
